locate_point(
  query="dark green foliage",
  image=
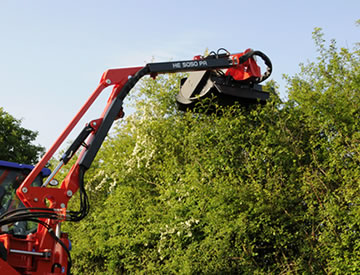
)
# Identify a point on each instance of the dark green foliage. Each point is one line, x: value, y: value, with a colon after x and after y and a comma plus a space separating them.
x: 15, y: 141
x: 267, y: 190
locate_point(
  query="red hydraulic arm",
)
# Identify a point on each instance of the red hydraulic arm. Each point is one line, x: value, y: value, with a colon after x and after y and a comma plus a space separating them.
x: 47, y: 250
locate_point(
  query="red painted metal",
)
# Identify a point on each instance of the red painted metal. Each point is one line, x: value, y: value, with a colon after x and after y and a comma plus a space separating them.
x: 45, y: 197
x: 32, y: 264
x: 24, y: 197
x: 244, y: 71
x: 117, y: 77
x: 7, y: 269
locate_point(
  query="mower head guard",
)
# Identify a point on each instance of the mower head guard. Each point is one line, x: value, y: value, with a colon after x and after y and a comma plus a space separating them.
x: 238, y: 84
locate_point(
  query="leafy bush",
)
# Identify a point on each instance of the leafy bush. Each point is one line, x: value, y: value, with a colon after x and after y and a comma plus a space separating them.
x: 265, y: 190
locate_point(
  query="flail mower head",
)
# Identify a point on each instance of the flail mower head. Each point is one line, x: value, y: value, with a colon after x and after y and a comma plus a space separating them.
x: 237, y: 84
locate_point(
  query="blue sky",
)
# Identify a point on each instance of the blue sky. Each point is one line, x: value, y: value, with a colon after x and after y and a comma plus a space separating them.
x: 52, y: 53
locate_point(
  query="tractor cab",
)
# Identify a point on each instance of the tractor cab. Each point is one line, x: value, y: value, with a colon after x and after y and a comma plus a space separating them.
x: 11, y: 176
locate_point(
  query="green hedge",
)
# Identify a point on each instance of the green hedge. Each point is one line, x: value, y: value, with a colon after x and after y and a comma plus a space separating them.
x: 267, y: 190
